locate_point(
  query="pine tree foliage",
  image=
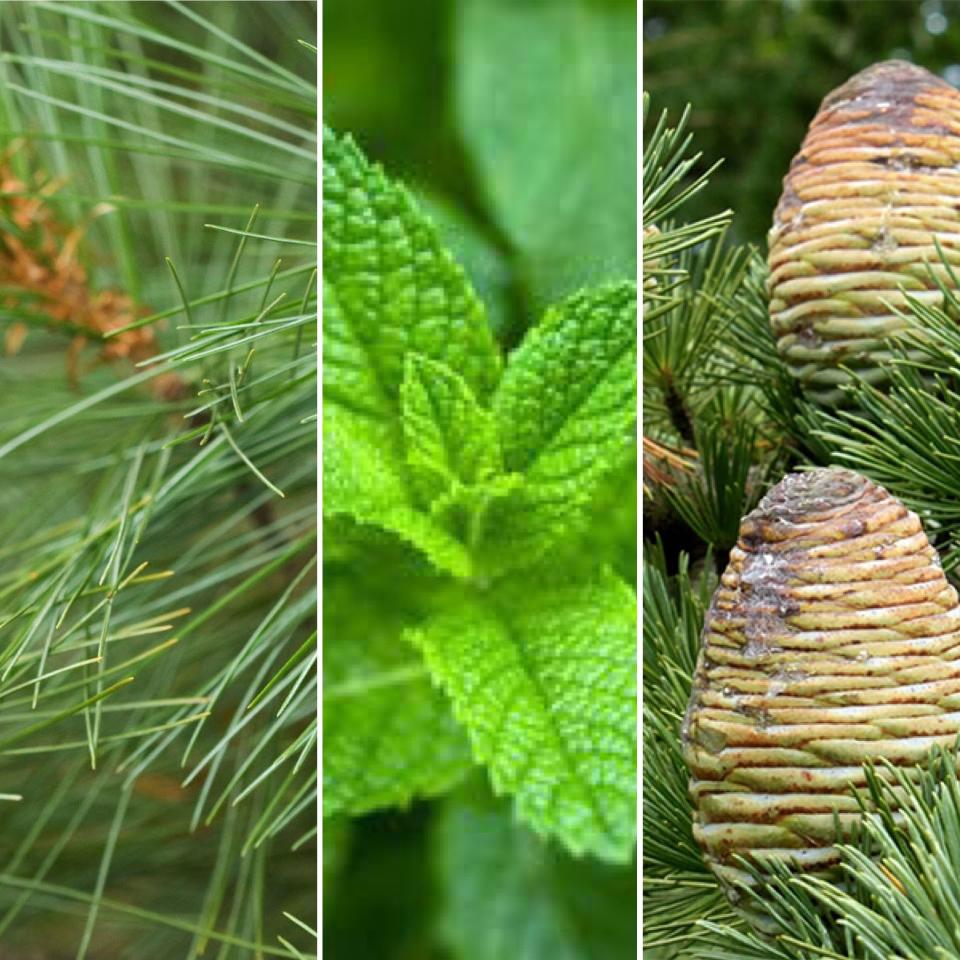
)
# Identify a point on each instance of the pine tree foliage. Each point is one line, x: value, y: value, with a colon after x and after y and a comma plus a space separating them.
x: 157, y: 694
x: 679, y: 890
x: 707, y: 425
x: 749, y: 358
x: 681, y: 334
x: 907, y: 437
x: 723, y: 419
x: 667, y: 164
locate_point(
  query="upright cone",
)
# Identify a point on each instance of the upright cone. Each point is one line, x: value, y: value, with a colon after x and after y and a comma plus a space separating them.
x: 833, y: 638
x: 876, y: 182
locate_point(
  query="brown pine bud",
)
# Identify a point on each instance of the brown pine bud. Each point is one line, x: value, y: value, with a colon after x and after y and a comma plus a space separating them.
x: 833, y: 638
x: 876, y: 182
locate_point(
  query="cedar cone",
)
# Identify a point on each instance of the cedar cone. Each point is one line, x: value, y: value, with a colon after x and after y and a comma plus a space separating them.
x: 833, y: 638
x: 876, y: 182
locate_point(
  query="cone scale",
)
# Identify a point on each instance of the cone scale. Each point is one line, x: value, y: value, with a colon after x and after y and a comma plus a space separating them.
x: 875, y: 185
x: 833, y: 638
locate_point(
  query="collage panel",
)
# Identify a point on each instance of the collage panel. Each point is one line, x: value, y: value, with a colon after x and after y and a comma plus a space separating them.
x: 801, y: 485
x: 158, y: 476
x: 479, y: 480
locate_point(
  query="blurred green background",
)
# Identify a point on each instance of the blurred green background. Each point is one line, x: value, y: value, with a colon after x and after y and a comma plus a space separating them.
x: 513, y: 120
x: 755, y: 72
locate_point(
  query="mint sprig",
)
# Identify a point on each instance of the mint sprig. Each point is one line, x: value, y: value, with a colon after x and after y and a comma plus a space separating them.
x: 482, y: 474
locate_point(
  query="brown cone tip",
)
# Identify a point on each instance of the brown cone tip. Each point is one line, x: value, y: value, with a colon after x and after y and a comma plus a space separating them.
x: 883, y: 83
x: 812, y: 493
x: 832, y: 639
x: 875, y: 185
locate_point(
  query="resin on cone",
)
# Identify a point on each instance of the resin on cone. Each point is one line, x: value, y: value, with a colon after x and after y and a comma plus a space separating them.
x: 875, y: 184
x: 833, y: 638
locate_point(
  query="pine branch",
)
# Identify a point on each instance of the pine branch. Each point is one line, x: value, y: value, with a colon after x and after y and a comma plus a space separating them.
x: 900, y: 890
x: 679, y: 890
x: 139, y: 543
x: 907, y: 436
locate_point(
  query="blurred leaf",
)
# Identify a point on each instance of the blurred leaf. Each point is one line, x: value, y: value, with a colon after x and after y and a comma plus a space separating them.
x: 546, y: 99
x: 388, y: 735
x: 484, y: 262
x: 336, y: 849
x: 382, y: 905
x: 509, y: 894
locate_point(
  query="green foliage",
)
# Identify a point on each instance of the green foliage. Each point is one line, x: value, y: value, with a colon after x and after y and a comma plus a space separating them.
x: 722, y: 405
x: 565, y: 411
x: 728, y: 482
x: 362, y: 481
x: 543, y: 679
x: 901, y: 892
x: 157, y: 697
x: 390, y: 290
x: 669, y: 183
x: 907, y: 437
x: 683, y: 337
x: 705, y: 392
x: 451, y: 440
x: 389, y: 735
x: 509, y: 894
x: 558, y: 421
x: 672, y: 619
x: 478, y: 469
x: 558, y: 173
x: 520, y: 473
x: 393, y: 299
x: 678, y: 888
x: 749, y: 358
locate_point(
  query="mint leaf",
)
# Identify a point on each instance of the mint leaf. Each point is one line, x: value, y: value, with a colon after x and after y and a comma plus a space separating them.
x: 451, y: 440
x: 547, y: 105
x: 543, y: 676
x: 508, y: 894
x: 349, y: 375
x: 392, y: 293
x: 362, y: 481
x: 483, y: 261
x: 390, y: 289
x: 388, y: 734
x: 565, y: 411
x: 611, y: 535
